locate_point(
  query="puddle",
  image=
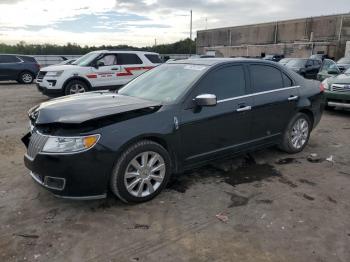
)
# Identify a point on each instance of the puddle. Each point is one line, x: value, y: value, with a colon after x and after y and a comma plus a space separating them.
x: 248, y: 172
x: 251, y: 173
x: 237, y: 200
x: 288, y: 160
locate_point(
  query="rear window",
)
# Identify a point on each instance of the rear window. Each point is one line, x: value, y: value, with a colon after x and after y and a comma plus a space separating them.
x: 28, y: 59
x: 265, y: 78
x: 128, y: 59
x: 9, y: 59
x: 154, y: 59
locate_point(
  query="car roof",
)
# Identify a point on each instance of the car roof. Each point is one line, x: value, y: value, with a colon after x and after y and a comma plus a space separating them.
x: 18, y: 55
x: 125, y: 51
x: 217, y: 61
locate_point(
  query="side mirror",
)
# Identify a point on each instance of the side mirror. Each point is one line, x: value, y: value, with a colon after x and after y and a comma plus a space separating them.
x: 333, y: 71
x: 205, y: 100
x: 99, y: 63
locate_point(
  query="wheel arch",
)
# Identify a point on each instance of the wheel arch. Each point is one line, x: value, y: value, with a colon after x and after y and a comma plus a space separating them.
x: 310, y: 114
x: 157, y: 138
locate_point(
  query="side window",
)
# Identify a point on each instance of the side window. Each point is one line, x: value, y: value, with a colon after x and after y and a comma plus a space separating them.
x: 128, y: 59
x: 108, y: 60
x: 224, y: 82
x: 154, y: 59
x: 9, y: 59
x: 265, y: 78
x: 287, y: 82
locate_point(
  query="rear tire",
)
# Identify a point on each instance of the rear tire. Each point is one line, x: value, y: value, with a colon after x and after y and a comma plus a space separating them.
x: 141, y: 172
x: 26, y: 78
x: 75, y: 87
x: 297, y: 134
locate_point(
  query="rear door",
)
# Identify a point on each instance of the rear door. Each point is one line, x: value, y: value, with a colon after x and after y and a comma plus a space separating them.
x: 275, y: 99
x: 208, y: 132
x: 131, y: 67
x: 9, y: 67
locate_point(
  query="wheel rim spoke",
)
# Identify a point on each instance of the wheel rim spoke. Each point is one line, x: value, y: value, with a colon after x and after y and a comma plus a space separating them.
x: 144, y: 174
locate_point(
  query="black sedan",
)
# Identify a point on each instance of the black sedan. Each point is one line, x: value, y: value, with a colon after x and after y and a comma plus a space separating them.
x: 307, y: 68
x: 175, y: 117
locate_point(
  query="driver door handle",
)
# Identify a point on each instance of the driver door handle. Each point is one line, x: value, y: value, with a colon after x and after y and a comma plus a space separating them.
x: 245, y: 108
x: 115, y: 68
x: 291, y: 98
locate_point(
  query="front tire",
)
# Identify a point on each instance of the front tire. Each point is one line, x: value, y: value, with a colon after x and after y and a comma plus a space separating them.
x: 26, y: 78
x: 75, y: 87
x: 297, y: 134
x: 142, y: 171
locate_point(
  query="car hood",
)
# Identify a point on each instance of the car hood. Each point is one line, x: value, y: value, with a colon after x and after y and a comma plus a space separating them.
x: 76, y: 109
x: 58, y: 67
x: 340, y: 79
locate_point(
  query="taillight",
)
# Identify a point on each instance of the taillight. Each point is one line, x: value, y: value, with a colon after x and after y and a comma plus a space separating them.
x: 322, y: 88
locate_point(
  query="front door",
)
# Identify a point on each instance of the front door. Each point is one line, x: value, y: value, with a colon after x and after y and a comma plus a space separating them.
x: 105, y: 75
x: 208, y: 132
x: 275, y: 98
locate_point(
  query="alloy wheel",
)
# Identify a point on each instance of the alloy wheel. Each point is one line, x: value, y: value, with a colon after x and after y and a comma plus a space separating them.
x: 144, y: 174
x: 299, y: 133
x: 76, y: 89
x: 27, y: 78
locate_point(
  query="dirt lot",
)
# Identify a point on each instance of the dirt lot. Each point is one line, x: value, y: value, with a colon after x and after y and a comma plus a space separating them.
x: 268, y: 206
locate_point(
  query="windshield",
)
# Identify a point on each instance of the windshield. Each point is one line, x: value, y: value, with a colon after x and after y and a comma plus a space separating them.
x: 296, y: 63
x: 165, y: 83
x: 86, y: 59
x: 344, y: 60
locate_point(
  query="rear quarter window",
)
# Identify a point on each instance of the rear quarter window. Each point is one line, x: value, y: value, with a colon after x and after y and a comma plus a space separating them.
x: 155, y: 59
x: 265, y: 78
x: 128, y: 59
x: 28, y: 59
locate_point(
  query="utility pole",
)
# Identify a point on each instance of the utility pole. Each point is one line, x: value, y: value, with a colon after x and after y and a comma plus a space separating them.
x: 206, y: 23
x: 155, y: 41
x: 191, y: 34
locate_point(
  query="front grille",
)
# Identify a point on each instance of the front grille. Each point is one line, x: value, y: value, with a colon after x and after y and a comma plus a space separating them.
x: 41, y: 75
x: 341, y: 88
x: 37, y: 142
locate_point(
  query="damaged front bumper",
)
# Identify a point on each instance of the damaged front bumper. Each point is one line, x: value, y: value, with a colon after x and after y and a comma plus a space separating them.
x: 81, y: 176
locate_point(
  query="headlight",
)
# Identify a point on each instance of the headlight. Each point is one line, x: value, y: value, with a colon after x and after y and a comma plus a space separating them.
x: 325, y: 84
x: 54, y: 73
x: 56, y: 144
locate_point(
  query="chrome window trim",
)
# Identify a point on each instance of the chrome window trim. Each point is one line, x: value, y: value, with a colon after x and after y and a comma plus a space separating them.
x: 255, y: 94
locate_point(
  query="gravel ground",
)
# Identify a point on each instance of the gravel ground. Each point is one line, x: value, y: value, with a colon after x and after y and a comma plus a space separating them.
x: 267, y: 206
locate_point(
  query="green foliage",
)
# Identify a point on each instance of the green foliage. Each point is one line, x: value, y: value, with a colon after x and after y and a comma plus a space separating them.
x: 181, y: 47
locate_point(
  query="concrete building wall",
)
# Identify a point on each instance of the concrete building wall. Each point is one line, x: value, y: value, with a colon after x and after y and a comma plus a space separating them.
x: 293, y: 38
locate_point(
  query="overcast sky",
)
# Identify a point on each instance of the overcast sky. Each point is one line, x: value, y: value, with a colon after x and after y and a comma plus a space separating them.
x: 139, y: 22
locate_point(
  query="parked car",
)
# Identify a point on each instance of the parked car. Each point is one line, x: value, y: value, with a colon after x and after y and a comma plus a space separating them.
x: 337, y: 90
x: 21, y: 68
x: 344, y: 63
x: 307, y: 68
x: 320, y: 57
x: 96, y: 70
x: 174, y: 117
x: 284, y: 61
x: 328, y: 69
x: 274, y: 58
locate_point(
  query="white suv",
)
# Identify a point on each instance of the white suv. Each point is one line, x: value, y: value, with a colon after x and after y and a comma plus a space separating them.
x: 95, y: 71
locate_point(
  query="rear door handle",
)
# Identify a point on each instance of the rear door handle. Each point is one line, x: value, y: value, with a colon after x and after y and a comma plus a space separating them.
x: 291, y: 98
x: 245, y: 108
x: 115, y: 68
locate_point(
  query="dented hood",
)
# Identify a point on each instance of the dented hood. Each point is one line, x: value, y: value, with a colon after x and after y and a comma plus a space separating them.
x: 76, y: 109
